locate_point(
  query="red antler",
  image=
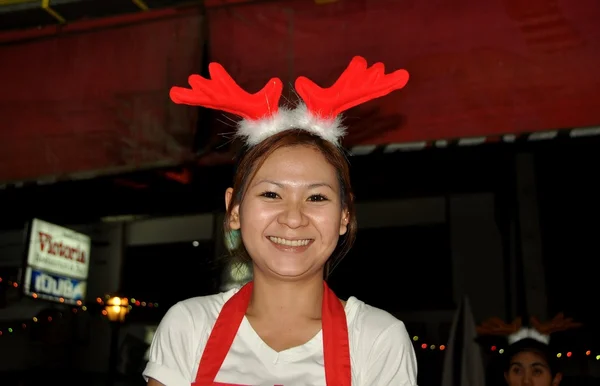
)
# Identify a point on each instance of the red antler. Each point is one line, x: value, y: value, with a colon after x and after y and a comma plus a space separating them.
x: 357, y: 84
x: 496, y: 326
x: 557, y: 324
x: 222, y: 93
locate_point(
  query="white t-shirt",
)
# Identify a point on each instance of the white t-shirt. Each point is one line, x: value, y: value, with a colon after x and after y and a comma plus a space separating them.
x: 381, y: 352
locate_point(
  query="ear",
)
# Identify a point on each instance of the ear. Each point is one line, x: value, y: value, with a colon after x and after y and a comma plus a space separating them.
x: 344, y: 221
x: 234, y: 218
x: 557, y: 379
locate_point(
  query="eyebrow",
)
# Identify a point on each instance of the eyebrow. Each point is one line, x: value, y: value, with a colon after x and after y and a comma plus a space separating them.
x: 534, y: 364
x: 281, y: 185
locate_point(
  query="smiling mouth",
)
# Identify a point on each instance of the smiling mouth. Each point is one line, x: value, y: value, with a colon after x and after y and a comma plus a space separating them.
x: 290, y: 243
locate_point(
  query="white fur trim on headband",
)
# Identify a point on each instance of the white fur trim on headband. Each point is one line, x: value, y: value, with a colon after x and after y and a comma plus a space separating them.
x: 254, y: 132
x: 531, y: 333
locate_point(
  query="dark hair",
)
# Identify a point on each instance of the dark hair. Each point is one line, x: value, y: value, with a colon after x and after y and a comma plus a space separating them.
x: 535, y: 347
x: 255, y: 157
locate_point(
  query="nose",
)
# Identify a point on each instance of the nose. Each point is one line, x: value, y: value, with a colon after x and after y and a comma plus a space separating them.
x: 293, y: 216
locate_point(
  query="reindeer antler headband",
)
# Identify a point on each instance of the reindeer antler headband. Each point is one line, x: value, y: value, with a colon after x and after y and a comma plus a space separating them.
x: 319, y: 114
x: 515, y: 331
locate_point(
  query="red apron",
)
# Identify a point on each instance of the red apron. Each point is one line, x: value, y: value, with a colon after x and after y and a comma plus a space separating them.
x: 336, y: 349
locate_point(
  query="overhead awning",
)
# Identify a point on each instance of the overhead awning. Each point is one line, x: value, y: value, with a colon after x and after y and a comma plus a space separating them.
x: 89, y: 99
x: 480, y: 71
x: 92, y: 97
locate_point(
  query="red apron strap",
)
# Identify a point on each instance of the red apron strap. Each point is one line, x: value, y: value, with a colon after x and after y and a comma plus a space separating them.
x: 222, y: 336
x: 336, y: 349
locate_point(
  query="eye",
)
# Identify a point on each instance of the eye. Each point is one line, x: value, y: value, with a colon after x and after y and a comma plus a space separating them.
x: 538, y: 371
x: 317, y: 198
x: 271, y: 195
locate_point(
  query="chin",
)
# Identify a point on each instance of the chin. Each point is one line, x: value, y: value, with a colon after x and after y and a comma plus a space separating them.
x: 289, y: 266
x: 290, y: 272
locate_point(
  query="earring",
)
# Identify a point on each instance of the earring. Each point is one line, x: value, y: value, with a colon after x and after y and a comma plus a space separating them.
x: 232, y: 239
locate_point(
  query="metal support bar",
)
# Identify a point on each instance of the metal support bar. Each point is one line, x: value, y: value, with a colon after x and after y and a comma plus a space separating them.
x: 113, y: 357
x: 140, y: 4
x: 13, y: 36
x: 531, y: 245
x: 46, y: 7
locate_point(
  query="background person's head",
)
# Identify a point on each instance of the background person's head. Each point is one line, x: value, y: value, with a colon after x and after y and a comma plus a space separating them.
x: 530, y: 363
x: 293, y: 204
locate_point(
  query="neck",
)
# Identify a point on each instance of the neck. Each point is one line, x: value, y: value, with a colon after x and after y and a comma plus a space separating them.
x: 275, y: 299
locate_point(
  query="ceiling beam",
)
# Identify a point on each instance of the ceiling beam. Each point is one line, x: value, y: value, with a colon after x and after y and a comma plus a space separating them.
x: 12, y: 36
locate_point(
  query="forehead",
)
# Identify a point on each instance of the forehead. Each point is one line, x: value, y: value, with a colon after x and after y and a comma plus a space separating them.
x: 528, y: 358
x: 297, y: 163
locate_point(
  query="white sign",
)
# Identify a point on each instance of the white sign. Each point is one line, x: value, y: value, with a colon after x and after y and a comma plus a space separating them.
x: 58, y: 250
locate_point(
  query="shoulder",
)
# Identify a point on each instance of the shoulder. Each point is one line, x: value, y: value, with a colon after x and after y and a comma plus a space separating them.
x: 197, y: 312
x: 180, y: 339
x: 371, y: 322
x: 380, y: 347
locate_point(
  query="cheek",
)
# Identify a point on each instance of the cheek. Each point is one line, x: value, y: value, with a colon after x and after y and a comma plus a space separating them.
x: 256, y: 217
x: 328, y: 224
x: 542, y: 379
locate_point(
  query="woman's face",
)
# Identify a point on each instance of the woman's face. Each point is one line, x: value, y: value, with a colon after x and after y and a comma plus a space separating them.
x: 530, y: 369
x: 291, y: 216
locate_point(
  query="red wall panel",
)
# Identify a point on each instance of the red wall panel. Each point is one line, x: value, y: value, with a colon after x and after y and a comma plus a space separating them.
x: 477, y: 67
x: 97, y: 100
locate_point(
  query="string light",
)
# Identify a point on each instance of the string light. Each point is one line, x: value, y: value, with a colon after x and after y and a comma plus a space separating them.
x: 36, y: 320
x: 80, y: 307
x: 495, y: 349
x: 425, y: 346
x: 132, y: 301
x: 568, y: 354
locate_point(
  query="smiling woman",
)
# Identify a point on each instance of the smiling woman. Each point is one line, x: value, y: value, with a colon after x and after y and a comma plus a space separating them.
x: 292, y: 207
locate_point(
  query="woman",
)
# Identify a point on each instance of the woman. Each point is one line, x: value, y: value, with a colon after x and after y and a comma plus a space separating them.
x: 293, y: 207
x: 528, y: 359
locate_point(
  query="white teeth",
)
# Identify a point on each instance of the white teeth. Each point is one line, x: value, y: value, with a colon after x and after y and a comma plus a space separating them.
x: 289, y: 243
